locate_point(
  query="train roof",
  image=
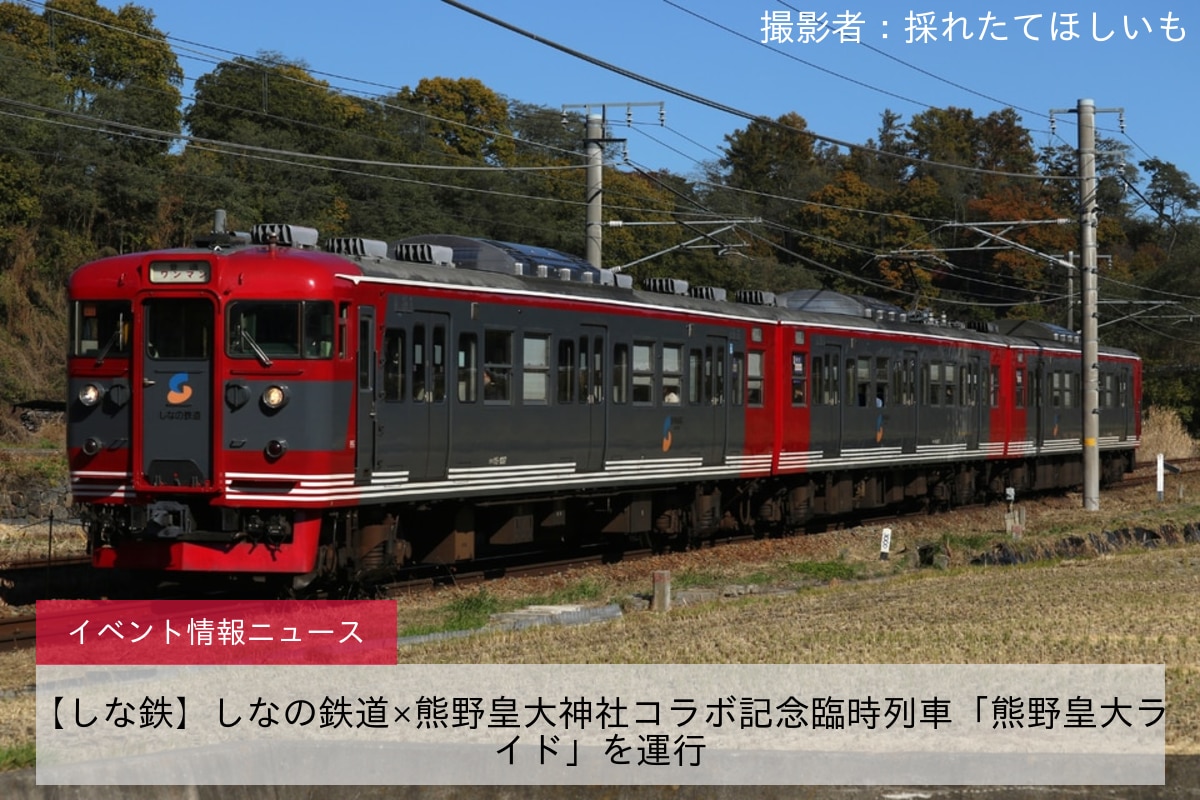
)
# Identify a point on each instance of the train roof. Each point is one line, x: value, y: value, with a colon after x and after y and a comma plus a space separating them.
x: 507, y: 268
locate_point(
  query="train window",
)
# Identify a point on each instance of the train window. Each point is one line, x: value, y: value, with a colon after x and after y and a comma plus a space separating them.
x: 620, y: 373
x: 715, y: 370
x: 468, y: 367
x: 178, y: 328
x: 826, y: 390
x: 535, y: 379
x: 933, y: 383
x: 858, y: 381
x: 342, y: 322
x: 100, y: 328
x: 904, y: 379
x: 735, y: 380
x: 437, y: 365
x: 393, y: 365
x: 497, y: 365
x: 318, y: 330
x: 799, y: 388
x: 566, y: 371
x: 994, y: 387
x: 754, y: 378
x: 419, y: 356
x: 881, y: 383
x: 598, y: 369
x: 1019, y: 391
x: 643, y: 373
x: 672, y: 373
x: 950, y: 376
x: 1107, y: 390
x: 258, y: 328
x: 585, y: 372
x: 695, y: 376
x: 366, y: 346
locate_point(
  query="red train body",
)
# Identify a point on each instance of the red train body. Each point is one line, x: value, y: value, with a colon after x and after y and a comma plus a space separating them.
x: 272, y: 408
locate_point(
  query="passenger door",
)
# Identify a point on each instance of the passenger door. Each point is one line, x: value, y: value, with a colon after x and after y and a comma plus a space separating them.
x: 365, y: 435
x: 176, y: 396
x: 414, y: 408
x: 592, y: 372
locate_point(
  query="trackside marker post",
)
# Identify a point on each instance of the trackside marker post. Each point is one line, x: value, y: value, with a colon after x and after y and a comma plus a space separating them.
x: 885, y: 544
x: 662, y: 591
x: 1159, y: 478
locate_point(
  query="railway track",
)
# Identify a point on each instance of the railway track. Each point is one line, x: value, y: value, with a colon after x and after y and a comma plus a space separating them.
x: 17, y: 633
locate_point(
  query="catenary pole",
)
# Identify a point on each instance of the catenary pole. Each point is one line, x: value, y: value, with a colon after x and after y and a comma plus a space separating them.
x: 1086, y: 113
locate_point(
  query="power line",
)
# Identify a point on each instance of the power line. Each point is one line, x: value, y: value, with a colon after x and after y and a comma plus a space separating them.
x: 731, y: 110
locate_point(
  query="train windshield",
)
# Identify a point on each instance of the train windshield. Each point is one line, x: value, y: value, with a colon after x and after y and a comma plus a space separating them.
x: 100, y: 328
x: 266, y: 329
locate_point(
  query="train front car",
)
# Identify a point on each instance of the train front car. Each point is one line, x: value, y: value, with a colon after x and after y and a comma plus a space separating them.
x: 209, y: 404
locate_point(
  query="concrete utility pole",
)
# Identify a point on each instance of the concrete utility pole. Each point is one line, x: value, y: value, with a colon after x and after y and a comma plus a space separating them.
x: 594, y: 141
x: 1085, y: 111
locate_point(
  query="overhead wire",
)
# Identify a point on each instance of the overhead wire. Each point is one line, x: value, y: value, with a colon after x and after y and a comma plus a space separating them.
x: 217, y: 145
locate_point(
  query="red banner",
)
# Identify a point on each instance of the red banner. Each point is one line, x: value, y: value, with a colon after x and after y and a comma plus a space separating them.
x: 216, y: 632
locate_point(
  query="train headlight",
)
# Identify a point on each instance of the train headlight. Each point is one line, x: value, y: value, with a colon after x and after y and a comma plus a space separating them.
x: 276, y: 448
x: 91, y: 395
x: 275, y: 397
x: 91, y: 446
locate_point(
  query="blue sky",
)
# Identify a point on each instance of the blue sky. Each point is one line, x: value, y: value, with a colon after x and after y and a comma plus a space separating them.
x: 716, y: 51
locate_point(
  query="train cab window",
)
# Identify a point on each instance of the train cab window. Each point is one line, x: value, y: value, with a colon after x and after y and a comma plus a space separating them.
x: 620, y: 373
x: 799, y: 384
x: 535, y: 378
x: 643, y: 373
x: 394, y: 370
x: 318, y: 330
x: 468, y: 367
x: 178, y: 328
x: 754, y: 378
x: 100, y: 328
x: 497, y: 366
x: 280, y: 329
x: 672, y: 373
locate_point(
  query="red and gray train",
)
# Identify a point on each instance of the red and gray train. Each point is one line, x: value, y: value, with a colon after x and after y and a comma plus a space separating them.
x: 261, y: 405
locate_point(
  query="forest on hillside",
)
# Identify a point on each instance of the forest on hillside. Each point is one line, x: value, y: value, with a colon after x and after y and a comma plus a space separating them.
x: 100, y: 153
